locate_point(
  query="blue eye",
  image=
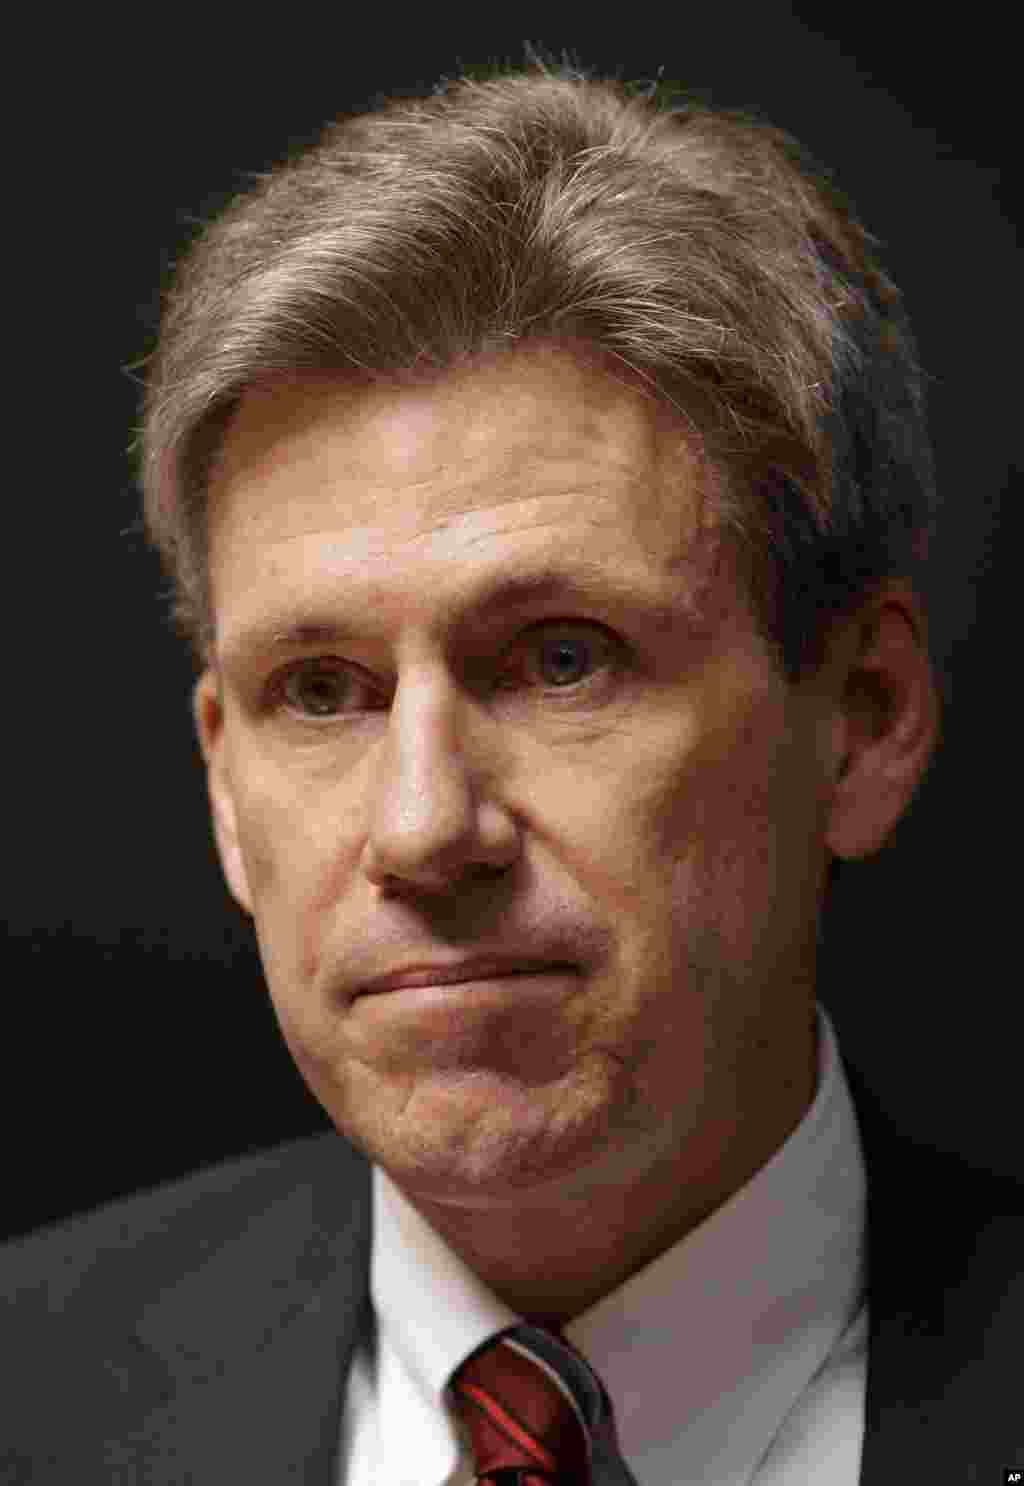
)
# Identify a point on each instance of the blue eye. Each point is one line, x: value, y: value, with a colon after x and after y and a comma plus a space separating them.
x: 561, y: 657
x: 322, y: 688
x: 568, y: 656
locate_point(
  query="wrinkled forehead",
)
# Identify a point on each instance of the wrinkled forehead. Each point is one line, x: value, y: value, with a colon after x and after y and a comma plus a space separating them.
x: 410, y: 505
x: 432, y: 446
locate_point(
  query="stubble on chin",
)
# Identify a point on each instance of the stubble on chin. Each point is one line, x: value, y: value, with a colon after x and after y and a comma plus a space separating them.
x: 465, y: 1133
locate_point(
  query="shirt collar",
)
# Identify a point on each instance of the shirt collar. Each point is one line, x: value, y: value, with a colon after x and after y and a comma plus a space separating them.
x: 713, y: 1341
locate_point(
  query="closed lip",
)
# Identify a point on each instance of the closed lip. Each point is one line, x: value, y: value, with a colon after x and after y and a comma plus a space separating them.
x: 450, y: 973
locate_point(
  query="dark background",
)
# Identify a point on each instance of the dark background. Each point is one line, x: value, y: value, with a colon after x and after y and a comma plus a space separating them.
x: 141, y: 1043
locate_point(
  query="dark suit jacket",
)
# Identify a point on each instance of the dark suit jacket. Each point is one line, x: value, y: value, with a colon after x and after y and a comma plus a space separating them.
x: 202, y: 1333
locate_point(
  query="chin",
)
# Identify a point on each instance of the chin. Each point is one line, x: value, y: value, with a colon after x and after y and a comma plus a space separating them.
x: 482, y: 1133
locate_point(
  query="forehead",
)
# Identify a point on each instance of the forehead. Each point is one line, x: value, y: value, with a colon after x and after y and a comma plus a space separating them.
x: 518, y: 454
x: 504, y: 419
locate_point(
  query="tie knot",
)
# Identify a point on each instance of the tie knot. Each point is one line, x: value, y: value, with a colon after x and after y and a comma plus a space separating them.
x: 525, y: 1421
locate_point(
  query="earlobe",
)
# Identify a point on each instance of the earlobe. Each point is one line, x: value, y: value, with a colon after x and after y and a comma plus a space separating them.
x: 890, y: 726
x: 208, y: 713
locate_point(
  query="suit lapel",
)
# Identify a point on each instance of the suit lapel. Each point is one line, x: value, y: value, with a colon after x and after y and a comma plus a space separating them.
x: 247, y: 1358
x: 258, y: 1341
x: 946, y: 1303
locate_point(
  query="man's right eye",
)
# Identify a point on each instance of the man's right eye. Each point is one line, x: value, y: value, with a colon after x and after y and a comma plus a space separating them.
x: 318, y: 688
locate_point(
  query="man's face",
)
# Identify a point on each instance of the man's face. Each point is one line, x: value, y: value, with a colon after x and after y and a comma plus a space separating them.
x: 615, y: 778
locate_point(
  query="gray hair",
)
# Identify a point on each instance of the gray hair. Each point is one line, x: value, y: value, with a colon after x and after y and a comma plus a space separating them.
x: 700, y: 248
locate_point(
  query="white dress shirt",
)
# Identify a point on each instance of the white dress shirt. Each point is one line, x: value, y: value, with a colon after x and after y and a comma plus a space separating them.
x: 738, y: 1357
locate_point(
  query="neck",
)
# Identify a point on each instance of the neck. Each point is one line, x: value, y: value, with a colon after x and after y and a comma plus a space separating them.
x: 553, y: 1250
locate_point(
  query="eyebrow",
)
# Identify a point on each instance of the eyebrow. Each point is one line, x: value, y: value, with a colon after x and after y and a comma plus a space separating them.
x: 588, y: 584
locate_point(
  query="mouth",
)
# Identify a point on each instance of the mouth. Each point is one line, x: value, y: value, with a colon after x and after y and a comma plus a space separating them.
x: 415, y: 977
x: 513, y: 1020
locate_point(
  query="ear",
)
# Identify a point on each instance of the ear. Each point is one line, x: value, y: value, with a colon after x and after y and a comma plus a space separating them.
x: 886, y: 709
x: 208, y: 712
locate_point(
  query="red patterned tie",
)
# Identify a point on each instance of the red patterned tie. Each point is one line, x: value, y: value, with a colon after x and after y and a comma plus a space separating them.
x: 536, y: 1413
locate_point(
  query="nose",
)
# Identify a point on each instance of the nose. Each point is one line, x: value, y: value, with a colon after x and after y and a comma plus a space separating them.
x: 433, y: 811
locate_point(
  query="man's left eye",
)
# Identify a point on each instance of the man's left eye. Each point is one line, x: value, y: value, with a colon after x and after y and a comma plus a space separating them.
x: 559, y: 657
x: 565, y: 651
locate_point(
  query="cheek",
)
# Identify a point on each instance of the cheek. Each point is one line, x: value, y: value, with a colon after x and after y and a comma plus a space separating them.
x: 742, y: 834
x: 600, y: 819
x: 287, y: 852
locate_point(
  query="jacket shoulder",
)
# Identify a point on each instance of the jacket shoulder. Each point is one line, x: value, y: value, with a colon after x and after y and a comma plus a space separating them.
x: 113, y: 1255
x: 946, y: 1300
